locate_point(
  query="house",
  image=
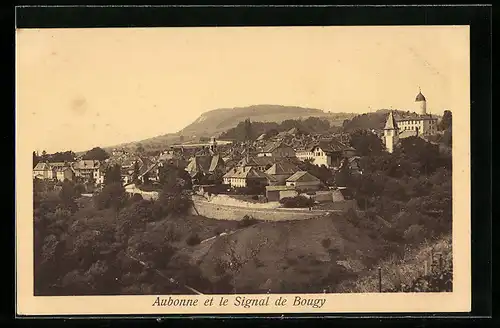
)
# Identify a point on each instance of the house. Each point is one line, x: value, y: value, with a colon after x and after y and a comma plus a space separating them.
x: 262, y: 137
x: 354, y: 164
x: 206, y: 165
x: 89, y: 170
x: 349, y: 152
x: 118, y: 152
x: 64, y: 172
x: 148, y: 171
x: 276, y: 193
x: 276, y: 149
x: 294, y: 131
x: 241, y: 177
x: 258, y: 163
x: 43, y: 171
x: 303, y: 181
x: 282, y: 135
x: 281, y: 171
x: 324, y: 152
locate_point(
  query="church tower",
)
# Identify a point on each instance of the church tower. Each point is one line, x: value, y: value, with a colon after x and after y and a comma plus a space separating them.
x: 391, y: 133
x: 420, y: 103
x: 213, y: 145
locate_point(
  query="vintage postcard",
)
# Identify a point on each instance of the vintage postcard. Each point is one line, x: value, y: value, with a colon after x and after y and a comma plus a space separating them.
x: 226, y: 170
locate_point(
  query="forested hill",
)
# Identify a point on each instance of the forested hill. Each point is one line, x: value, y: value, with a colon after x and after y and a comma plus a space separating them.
x: 219, y: 120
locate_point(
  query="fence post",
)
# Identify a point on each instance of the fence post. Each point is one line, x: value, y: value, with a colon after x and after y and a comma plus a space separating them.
x: 379, y: 279
x: 432, y: 261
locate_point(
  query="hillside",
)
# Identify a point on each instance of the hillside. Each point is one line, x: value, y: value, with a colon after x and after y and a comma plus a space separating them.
x: 219, y: 120
x: 216, y: 121
x: 284, y: 256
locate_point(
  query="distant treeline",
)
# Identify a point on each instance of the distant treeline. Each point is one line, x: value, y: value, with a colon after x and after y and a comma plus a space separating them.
x: 376, y: 120
x: 368, y: 121
x: 96, y: 153
x: 65, y: 156
x: 247, y: 130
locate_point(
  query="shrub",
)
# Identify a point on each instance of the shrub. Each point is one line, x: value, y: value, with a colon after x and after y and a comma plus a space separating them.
x: 297, y: 202
x: 255, y: 197
x: 415, y: 234
x: 136, y: 198
x: 247, y: 221
x: 193, y: 240
x: 79, y: 189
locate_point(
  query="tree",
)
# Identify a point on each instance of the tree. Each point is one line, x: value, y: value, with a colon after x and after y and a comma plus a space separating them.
x: 68, y: 196
x: 248, y: 130
x: 445, y: 121
x: 145, y: 178
x: 112, y: 196
x: 113, y: 174
x: 173, y: 179
x: 343, y: 176
x: 135, y: 174
x: 35, y: 159
x: 44, y: 156
x: 423, y: 152
x: 366, y: 142
x: 96, y: 153
x: 67, y: 156
x: 139, y: 149
x: 272, y: 133
x: 447, y: 137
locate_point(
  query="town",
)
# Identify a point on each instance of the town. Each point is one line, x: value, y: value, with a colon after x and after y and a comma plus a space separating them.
x: 387, y: 181
x: 274, y: 167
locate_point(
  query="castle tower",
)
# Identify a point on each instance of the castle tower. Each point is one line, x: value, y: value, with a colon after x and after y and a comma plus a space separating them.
x: 391, y: 133
x: 420, y: 103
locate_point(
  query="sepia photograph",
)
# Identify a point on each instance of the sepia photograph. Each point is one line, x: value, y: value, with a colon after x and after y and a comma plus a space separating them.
x: 261, y: 163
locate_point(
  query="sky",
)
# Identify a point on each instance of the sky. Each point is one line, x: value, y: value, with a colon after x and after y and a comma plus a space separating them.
x: 81, y: 88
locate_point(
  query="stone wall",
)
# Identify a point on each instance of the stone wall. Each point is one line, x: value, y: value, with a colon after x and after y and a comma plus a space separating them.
x: 149, y: 195
x: 228, y: 212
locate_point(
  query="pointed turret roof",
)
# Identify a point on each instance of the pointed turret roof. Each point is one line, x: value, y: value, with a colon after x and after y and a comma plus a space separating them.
x: 391, y: 122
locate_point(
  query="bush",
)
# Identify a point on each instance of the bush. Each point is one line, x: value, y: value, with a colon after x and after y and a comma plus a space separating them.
x: 297, y: 202
x: 136, y: 198
x: 79, y: 189
x: 112, y: 196
x: 193, y: 240
x: 247, y: 221
x: 255, y: 197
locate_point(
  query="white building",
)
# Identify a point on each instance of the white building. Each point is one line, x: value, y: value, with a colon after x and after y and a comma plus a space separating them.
x: 240, y: 177
x: 420, y: 124
x: 328, y: 153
